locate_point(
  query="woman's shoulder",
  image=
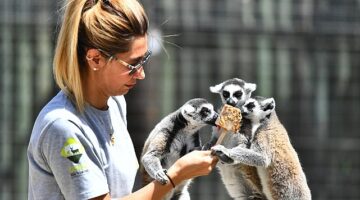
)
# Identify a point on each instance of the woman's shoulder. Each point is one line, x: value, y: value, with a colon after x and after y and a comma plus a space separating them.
x: 58, y: 119
x: 59, y: 107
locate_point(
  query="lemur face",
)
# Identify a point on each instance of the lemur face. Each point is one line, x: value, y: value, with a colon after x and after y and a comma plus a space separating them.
x: 199, y: 112
x: 258, y: 108
x: 234, y: 91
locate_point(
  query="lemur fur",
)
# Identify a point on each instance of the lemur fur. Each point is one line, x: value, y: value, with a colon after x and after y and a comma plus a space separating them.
x: 233, y: 92
x: 271, y: 152
x: 174, y: 136
x: 241, y: 181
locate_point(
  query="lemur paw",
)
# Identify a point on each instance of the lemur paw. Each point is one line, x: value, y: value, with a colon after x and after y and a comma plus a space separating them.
x: 223, y: 153
x: 161, y: 177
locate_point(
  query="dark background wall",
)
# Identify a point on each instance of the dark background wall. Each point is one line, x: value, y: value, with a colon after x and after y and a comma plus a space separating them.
x: 305, y: 54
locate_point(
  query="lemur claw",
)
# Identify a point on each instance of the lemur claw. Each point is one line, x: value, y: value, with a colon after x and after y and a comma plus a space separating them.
x: 161, y: 177
x: 223, y: 154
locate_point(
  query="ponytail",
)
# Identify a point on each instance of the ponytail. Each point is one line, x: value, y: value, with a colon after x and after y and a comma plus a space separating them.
x: 66, y: 60
x: 104, y: 24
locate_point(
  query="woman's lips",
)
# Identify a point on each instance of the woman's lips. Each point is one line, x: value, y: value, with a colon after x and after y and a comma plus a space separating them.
x: 130, y: 86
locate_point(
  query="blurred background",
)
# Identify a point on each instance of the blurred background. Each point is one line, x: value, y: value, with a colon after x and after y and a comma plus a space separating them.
x: 305, y: 54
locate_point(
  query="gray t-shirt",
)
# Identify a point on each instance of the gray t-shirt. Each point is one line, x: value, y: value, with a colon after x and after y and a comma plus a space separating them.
x: 80, y: 156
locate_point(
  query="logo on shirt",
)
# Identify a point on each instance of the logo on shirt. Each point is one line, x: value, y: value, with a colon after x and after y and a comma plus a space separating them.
x: 78, y: 169
x: 72, y: 150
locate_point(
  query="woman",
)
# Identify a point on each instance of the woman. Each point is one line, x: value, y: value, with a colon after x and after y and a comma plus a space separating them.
x: 79, y: 146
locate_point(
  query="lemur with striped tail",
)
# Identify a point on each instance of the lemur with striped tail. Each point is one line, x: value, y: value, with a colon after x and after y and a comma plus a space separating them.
x: 271, y: 152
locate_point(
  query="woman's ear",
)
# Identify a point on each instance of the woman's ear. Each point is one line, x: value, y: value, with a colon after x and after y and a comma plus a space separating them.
x: 94, y: 59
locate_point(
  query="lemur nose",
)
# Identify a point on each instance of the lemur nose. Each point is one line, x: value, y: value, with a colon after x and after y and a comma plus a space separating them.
x: 231, y: 102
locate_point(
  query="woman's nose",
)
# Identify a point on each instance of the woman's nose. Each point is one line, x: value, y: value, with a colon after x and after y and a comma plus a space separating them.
x: 140, y: 73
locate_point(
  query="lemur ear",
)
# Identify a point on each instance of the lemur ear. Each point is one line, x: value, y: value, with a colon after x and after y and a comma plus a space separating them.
x: 268, y: 104
x: 250, y: 87
x: 188, y: 109
x: 216, y: 88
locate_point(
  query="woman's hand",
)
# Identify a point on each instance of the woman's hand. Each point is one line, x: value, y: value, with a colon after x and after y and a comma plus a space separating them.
x: 193, y: 164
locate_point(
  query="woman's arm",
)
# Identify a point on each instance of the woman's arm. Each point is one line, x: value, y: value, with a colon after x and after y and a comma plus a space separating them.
x: 196, y: 163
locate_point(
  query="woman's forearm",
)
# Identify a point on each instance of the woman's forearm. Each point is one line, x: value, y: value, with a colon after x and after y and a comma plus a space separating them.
x: 196, y: 163
x: 153, y: 191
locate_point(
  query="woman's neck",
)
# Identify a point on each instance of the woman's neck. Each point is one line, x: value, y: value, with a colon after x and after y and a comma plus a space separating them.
x: 97, y: 101
x: 93, y: 95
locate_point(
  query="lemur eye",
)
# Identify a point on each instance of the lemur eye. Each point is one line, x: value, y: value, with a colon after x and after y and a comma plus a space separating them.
x: 238, y: 94
x: 226, y: 94
x: 205, y: 111
x: 250, y: 105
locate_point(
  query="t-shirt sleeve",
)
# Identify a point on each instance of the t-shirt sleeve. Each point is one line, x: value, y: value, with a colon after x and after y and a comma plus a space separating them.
x: 73, y: 162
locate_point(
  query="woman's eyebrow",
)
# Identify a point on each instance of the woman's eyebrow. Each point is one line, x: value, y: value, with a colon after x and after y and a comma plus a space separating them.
x: 137, y: 59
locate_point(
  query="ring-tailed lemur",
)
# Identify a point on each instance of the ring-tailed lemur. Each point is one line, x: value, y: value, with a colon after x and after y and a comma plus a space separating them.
x: 173, y: 137
x: 233, y: 92
x: 241, y: 181
x: 276, y: 160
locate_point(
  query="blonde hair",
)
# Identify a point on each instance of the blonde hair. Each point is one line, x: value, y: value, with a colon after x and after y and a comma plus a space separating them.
x: 103, y: 24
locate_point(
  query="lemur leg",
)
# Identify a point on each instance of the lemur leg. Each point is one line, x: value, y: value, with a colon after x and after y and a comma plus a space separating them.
x: 153, y: 167
x: 151, y: 160
x: 213, y: 139
x: 182, y: 191
x: 241, y: 141
x: 196, y: 141
x: 241, y: 155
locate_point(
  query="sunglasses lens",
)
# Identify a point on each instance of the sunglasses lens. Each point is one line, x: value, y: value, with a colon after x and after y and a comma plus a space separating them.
x: 132, y: 71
